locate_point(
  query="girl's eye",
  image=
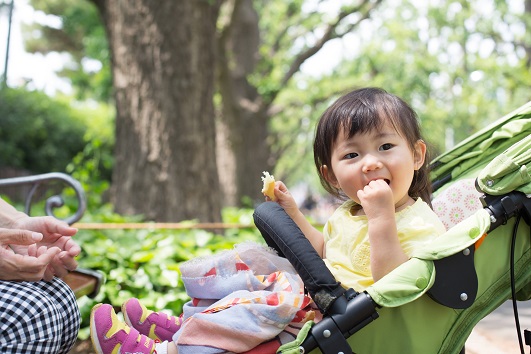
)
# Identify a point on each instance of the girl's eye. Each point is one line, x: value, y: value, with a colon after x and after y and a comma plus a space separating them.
x: 386, y: 146
x: 351, y: 155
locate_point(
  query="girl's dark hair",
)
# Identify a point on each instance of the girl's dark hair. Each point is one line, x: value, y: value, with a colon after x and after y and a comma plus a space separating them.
x: 361, y: 111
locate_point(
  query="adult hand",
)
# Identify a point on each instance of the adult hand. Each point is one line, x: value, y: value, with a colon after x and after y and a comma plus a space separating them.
x: 26, y: 267
x: 56, y: 234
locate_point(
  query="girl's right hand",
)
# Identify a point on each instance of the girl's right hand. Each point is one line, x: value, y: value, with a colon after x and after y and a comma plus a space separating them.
x: 285, y: 199
x: 288, y: 203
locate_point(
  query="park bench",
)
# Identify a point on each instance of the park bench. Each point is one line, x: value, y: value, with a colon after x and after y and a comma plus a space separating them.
x: 84, y: 282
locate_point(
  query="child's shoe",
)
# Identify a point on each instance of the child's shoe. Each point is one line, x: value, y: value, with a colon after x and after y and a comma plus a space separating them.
x: 155, y: 325
x: 109, y: 335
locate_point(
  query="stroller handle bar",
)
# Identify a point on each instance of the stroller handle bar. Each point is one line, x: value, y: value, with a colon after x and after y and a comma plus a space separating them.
x: 347, y: 315
x: 503, y: 207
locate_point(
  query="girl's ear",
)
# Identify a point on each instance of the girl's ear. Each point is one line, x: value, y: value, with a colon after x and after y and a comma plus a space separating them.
x: 329, y: 176
x: 419, y: 153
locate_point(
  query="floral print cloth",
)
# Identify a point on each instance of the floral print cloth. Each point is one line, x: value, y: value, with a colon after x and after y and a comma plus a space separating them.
x: 246, y: 300
x: 457, y: 203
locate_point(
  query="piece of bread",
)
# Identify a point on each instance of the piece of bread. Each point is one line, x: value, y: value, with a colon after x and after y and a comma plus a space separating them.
x: 269, y: 186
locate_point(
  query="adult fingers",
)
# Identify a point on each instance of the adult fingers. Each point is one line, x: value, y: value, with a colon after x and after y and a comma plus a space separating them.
x: 62, y: 264
x: 67, y: 261
x: 65, y: 243
x: 47, y: 225
x: 72, y: 248
x: 53, y: 225
x: 21, y: 267
x: 19, y: 237
x: 64, y: 230
x: 49, y: 273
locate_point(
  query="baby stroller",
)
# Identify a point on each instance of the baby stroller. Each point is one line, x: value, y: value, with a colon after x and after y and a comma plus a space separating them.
x: 431, y: 303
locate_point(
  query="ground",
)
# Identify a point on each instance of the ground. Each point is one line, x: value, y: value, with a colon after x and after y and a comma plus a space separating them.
x: 82, y: 347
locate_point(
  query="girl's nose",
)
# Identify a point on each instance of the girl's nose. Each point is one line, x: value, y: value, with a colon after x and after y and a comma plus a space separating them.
x: 371, y: 163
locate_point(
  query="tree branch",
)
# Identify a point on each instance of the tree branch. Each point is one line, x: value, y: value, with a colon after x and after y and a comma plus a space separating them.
x: 227, y: 25
x: 329, y: 34
x: 277, y: 44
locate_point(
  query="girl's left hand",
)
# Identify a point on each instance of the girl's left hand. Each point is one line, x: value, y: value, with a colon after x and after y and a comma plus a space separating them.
x: 376, y: 199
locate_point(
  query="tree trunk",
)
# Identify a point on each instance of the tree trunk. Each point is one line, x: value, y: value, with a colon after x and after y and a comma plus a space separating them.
x: 163, y: 59
x: 244, y: 113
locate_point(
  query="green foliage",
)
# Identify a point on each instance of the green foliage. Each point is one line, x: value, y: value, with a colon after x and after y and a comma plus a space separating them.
x: 82, y: 35
x: 92, y: 166
x: 37, y: 133
x: 43, y: 134
x: 457, y: 64
x: 461, y: 64
x: 145, y: 263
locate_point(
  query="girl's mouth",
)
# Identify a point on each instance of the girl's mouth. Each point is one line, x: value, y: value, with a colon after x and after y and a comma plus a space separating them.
x: 384, y: 179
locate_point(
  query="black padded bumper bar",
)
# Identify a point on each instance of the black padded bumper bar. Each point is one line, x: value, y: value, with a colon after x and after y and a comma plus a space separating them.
x: 347, y: 311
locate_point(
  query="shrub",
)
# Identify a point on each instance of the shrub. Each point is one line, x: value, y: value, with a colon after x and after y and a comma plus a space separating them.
x: 37, y: 133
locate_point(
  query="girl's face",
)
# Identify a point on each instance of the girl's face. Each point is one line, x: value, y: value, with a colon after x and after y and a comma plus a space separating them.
x: 378, y: 154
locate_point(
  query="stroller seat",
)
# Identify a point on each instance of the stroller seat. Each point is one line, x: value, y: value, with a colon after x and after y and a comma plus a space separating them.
x: 457, y: 203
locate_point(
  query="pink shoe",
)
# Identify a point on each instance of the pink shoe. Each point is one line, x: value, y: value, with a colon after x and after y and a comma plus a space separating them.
x: 109, y: 335
x: 155, y: 325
